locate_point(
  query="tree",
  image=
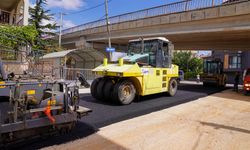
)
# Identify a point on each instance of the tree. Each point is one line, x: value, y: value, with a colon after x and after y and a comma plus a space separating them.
x: 38, y: 15
x: 182, y: 60
x: 190, y: 65
x: 196, y: 65
x: 13, y: 36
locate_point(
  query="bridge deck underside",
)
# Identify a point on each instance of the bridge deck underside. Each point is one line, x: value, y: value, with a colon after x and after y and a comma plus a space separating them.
x: 224, y: 40
x: 225, y: 27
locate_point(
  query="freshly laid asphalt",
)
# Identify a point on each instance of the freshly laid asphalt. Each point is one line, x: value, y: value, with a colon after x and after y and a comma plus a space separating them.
x: 106, y: 113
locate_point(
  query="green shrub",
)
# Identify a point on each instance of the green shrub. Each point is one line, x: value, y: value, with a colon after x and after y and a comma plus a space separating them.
x: 190, y: 75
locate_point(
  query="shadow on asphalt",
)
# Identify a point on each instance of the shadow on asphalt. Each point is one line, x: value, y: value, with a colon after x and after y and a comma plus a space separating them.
x: 89, y: 98
x: 106, y: 113
x: 208, y: 90
x: 201, y: 89
x: 81, y: 130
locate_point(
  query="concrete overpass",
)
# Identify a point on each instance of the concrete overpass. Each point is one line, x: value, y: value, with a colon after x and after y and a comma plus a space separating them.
x: 190, y: 25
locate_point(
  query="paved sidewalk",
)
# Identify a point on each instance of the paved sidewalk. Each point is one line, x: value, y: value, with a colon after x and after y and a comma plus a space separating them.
x: 219, y: 121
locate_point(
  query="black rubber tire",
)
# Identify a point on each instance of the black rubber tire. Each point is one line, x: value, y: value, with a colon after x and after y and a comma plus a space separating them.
x: 99, y: 89
x: 120, y: 95
x: 93, y: 87
x: 108, y: 90
x: 172, y: 88
x: 115, y: 92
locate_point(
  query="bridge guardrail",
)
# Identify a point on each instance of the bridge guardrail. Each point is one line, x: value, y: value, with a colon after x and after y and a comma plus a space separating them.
x: 176, y: 7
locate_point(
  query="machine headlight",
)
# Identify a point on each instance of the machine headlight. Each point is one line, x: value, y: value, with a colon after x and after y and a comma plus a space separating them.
x: 119, y: 74
x: 247, y: 85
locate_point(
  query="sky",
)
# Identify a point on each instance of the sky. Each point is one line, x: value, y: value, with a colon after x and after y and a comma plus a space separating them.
x: 116, y: 7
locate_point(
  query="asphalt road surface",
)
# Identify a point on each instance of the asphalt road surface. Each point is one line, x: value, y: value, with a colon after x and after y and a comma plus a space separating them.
x: 105, y: 113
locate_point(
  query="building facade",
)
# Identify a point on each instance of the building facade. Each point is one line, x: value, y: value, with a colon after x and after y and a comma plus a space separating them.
x: 234, y: 61
x: 14, y: 12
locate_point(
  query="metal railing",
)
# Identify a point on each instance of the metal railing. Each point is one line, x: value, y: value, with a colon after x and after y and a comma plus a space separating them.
x: 64, y: 73
x: 176, y: 7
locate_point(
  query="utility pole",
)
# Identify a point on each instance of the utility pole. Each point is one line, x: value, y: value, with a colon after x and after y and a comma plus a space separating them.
x: 108, y: 29
x: 60, y: 30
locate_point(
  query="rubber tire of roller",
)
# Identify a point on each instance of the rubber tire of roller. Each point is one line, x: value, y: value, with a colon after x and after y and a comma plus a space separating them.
x: 108, y: 90
x: 100, y: 88
x: 118, y: 95
x: 93, y: 87
x: 172, y: 88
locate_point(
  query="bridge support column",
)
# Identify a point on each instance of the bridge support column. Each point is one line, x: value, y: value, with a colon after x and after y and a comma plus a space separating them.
x: 82, y: 43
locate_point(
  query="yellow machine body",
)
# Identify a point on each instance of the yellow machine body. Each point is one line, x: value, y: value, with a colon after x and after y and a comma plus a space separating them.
x: 147, y: 79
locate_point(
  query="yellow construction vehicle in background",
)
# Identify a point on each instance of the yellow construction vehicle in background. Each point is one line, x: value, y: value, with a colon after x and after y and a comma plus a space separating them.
x: 147, y: 69
x: 213, y: 72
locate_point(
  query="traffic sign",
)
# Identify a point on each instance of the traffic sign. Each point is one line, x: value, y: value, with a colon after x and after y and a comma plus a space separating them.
x: 110, y: 49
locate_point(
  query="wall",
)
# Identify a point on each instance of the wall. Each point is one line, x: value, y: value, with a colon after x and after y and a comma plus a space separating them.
x: 15, y: 67
x: 246, y: 60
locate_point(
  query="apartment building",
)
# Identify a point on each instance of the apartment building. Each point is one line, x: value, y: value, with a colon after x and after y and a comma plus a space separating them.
x: 14, y: 12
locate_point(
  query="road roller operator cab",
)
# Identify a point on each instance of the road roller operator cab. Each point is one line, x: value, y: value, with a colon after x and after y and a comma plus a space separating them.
x: 156, y: 52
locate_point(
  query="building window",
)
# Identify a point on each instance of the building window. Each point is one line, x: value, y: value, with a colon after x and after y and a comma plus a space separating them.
x: 235, y: 62
x: 4, y: 17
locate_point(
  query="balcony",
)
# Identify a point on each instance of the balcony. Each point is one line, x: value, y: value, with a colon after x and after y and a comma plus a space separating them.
x: 8, y: 5
x: 14, y: 12
x: 4, y: 17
